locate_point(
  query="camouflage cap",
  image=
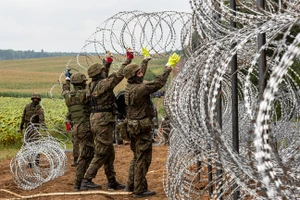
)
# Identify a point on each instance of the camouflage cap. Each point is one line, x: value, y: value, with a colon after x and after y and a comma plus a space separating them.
x: 78, y: 78
x: 95, y: 69
x: 35, y: 96
x: 130, y: 70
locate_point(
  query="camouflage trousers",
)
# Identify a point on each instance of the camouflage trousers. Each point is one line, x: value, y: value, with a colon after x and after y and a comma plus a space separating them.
x: 75, y: 142
x: 104, y: 151
x: 141, y: 146
x: 86, y: 149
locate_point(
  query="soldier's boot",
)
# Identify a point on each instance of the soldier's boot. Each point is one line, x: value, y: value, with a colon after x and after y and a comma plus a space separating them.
x: 128, y: 189
x: 88, y: 184
x: 144, y: 194
x: 113, y: 184
x: 74, y: 164
x: 77, y: 186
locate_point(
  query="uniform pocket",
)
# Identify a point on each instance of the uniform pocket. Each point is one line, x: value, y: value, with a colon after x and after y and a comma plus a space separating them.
x: 146, y: 124
x: 133, y: 127
x: 122, y: 129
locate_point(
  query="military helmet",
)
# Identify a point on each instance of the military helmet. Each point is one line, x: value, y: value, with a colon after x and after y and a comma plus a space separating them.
x: 130, y: 70
x: 35, y: 96
x: 78, y: 78
x: 95, y: 69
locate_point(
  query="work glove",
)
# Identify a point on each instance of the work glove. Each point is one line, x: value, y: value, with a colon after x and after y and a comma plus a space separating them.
x: 146, y: 53
x: 129, y: 53
x: 68, y: 74
x: 173, y: 60
x: 68, y: 126
x: 109, y: 57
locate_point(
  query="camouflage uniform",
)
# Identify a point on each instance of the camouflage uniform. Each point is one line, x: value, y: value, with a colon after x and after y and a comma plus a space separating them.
x: 75, y: 140
x: 33, y: 113
x: 102, y: 122
x: 78, y: 106
x: 139, y: 114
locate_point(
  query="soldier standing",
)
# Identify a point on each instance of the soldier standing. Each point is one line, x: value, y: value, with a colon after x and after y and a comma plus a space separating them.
x: 78, y: 108
x: 102, y: 121
x: 33, y: 116
x: 139, y: 115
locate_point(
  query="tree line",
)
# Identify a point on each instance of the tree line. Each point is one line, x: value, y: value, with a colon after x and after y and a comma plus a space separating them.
x: 9, y: 54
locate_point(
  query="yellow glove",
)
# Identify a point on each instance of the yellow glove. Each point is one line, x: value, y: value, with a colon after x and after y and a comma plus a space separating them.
x: 173, y: 60
x: 145, y: 52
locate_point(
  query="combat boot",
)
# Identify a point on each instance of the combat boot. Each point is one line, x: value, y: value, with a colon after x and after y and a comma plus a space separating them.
x: 77, y: 186
x: 89, y: 185
x: 74, y: 164
x: 144, y: 194
x: 114, y: 185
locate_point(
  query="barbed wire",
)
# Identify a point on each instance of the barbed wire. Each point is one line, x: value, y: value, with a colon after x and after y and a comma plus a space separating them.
x: 269, y: 129
x: 40, y: 159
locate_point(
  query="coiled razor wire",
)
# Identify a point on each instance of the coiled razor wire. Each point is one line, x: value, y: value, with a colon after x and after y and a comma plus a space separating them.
x: 160, y: 32
x: 40, y: 159
x: 267, y: 165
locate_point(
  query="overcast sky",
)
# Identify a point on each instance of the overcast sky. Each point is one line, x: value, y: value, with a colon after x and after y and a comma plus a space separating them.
x: 64, y: 25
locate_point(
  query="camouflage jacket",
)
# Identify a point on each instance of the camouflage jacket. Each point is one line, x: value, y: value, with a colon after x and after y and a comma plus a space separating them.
x: 102, y: 97
x: 77, y: 103
x: 137, y: 97
x: 33, y: 112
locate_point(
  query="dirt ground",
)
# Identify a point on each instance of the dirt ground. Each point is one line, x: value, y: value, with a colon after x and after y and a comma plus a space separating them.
x: 64, y: 184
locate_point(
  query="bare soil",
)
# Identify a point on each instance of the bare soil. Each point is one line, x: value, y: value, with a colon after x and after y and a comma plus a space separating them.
x: 65, y: 183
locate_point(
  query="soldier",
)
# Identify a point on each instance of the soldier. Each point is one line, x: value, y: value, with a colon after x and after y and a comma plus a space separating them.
x: 33, y: 115
x: 78, y: 107
x: 75, y: 140
x: 103, y: 120
x: 140, y: 113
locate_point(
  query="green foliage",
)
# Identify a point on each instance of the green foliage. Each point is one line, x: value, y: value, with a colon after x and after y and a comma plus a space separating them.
x: 9, y: 152
x: 12, y: 110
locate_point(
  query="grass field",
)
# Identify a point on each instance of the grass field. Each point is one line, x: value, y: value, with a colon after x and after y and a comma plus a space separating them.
x: 20, y: 78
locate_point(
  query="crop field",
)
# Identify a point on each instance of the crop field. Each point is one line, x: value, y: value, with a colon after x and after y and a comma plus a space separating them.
x: 20, y: 78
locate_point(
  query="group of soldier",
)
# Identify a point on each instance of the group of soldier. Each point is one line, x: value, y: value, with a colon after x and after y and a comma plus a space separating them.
x: 92, y: 110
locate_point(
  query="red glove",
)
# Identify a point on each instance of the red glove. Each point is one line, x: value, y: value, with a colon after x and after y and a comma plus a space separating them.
x: 68, y: 126
x: 129, y: 53
x: 109, y: 57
